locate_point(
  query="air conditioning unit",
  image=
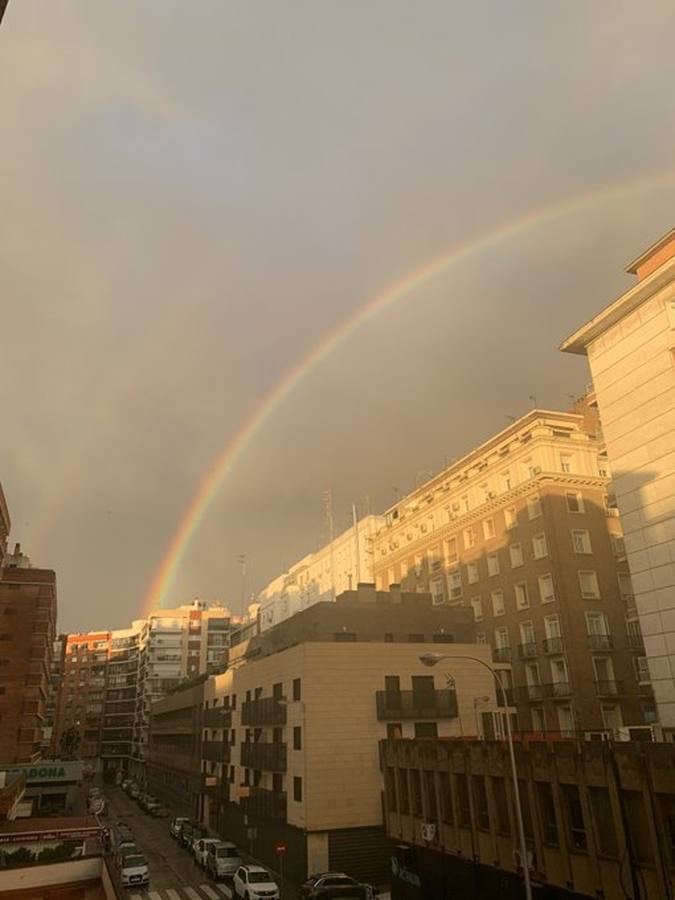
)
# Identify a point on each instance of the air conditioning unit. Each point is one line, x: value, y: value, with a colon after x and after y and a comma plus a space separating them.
x: 597, y: 736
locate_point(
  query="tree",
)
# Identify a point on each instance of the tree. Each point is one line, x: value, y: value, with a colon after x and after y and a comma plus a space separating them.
x: 69, y: 743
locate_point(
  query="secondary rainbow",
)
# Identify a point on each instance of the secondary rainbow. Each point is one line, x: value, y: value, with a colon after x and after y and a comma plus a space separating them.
x: 224, y: 464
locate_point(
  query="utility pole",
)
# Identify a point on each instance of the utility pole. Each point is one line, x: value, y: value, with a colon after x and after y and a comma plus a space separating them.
x: 356, y: 546
x: 242, y: 565
x: 328, y: 498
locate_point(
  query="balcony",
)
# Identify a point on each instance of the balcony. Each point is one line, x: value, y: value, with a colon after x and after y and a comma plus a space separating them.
x: 216, y: 751
x: 264, y: 711
x: 266, y: 804
x: 218, y: 717
x: 527, y: 651
x: 554, y: 645
x: 216, y: 788
x: 636, y: 642
x: 531, y: 692
x: 410, y: 705
x: 608, y: 688
x: 600, y: 641
x: 262, y: 755
x: 558, y: 689
x: 501, y: 654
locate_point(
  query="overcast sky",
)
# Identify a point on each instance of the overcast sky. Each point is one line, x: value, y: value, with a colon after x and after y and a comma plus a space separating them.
x: 195, y: 194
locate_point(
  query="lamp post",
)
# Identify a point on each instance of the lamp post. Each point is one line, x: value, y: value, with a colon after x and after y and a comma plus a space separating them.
x: 431, y: 659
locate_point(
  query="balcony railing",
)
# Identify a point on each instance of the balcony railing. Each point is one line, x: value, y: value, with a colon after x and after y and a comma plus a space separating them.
x: 531, y: 692
x: 263, y: 755
x: 216, y: 751
x: 554, y: 645
x: 600, y: 641
x: 608, y: 688
x: 411, y: 705
x: 636, y: 642
x: 501, y: 654
x: 528, y: 650
x: 266, y: 804
x: 218, y: 717
x: 264, y: 711
x: 558, y: 689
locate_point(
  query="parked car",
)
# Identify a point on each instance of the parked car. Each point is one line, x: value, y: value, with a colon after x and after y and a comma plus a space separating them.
x: 222, y: 860
x: 159, y: 811
x: 200, y: 847
x: 126, y: 848
x: 134, y: 871
x: 329, y: 885
x: 176, y: 826
x: 134, y: 792
x: 146, y: 800
x: 121, y: 835
x: 251, y: 882
x: 189, y: 832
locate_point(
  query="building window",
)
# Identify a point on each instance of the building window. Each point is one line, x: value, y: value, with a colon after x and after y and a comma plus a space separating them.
x: 394, y: 731
x: 566, y: 462
x: 581, y: 541
x: 297, y: 689
x: 506, y: 481
x: 415, y: 792
x: 510, y: 517
x: 522, y: 599
x: 481, y: 637
x: 481, y: 802
x: 516, y: 554
x: 497, y: 603
x: 426, y: 730
x: 477, y: 606
x: 455, y: 584
x: 502, y: 640
x: 297, y: 737
x: 437, y: 592
x: 547, y: 814
x: 469, y: 538
x: 501, y: 805
x: 297, y: 789
x: 546, y: 588
x: 575, y: 502
x: 463, y: 801
x: 539, y: 546
x: 576, y: 827
x: 488, y: 529
x: 534, y: 506
x: 493, y: 564
x: 636, y: 816
x: 472, y: 572
x: 418, y: 564
x: 415, y: 638
x: 603, y: 822
x: 445, y: 794
x: 588, y: 582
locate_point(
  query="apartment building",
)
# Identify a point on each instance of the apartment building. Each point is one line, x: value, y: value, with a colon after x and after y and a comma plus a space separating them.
x: 174, y: 756
x: 81, y: 669
x: 520, y: 531
x: 337, y: 567
x: 123, y: 698
x: 598, y: 819
x: 630, y: 347
x: 27, y: 623
x: 291, y: 729
x: 53, y: 690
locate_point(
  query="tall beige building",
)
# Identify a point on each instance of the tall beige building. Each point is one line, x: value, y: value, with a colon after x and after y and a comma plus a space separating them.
x: 630, y: 347
x: 520, y: 530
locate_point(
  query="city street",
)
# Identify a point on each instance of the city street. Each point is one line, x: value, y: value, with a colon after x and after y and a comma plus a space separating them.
x: 173, y: 873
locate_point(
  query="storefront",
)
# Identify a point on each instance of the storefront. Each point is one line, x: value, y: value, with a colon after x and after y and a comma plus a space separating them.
x: 51, y: 788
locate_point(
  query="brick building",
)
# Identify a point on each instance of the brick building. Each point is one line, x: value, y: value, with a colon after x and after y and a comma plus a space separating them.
x: 27, y: 623
x: 80, y: 704
x: 521, y: 530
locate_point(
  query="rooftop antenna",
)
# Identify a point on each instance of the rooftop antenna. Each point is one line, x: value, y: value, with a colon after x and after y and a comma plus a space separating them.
x: 533, y: 398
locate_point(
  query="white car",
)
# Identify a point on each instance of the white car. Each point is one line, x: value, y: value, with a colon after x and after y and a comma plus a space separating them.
x: 200, y: 847
x: 134, y: 870
x: 251, y: 882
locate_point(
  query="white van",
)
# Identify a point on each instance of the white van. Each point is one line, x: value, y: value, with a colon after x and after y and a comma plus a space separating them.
x: 134, y: 870
x: 222, y: 860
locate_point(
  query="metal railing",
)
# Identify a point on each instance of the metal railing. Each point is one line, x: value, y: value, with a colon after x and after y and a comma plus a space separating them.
x: 600, y: 641
x: 554, y: 645
x: 263, y: 755
x: 527, y: 650
x: 264, y: 711
x: 218, y: 717
x: 531, y: 691
x: 216, y: 751
x: 636, y: 642
x: 412, y: 705
x: 266, y: 804
x: 501, y: 654
x: 608, y: 688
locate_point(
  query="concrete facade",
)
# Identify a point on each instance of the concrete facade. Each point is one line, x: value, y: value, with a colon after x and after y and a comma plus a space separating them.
x: 520, y: 530
x: 631, y: 353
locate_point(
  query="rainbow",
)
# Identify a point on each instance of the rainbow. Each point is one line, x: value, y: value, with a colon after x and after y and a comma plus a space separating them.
x: 223, y: 465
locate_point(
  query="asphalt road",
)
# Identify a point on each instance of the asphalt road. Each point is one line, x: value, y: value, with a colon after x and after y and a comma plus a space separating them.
x: 173, y: 873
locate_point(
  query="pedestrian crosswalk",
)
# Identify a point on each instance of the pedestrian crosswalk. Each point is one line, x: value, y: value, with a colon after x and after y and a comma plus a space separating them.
x: 187, y: 892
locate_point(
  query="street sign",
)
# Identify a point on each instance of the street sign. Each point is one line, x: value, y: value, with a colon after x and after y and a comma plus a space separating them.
x: 281, y: 849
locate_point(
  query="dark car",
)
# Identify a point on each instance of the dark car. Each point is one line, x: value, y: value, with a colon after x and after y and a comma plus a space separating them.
x: 189, y: 832
x: 329, y: 885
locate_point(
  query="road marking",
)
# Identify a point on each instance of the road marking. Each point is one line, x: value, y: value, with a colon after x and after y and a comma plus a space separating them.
x: 208, y: 890
x: 153, y: 895
x: 173, y: 895
x: 192, y: 893
x: 136, y: 897
x: 226, y: 890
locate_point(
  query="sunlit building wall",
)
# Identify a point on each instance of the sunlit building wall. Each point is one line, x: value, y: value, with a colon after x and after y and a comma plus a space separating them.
x: 630, y: 347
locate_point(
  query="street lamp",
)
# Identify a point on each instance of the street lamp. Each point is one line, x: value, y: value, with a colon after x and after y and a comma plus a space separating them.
x: 431, y: 659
